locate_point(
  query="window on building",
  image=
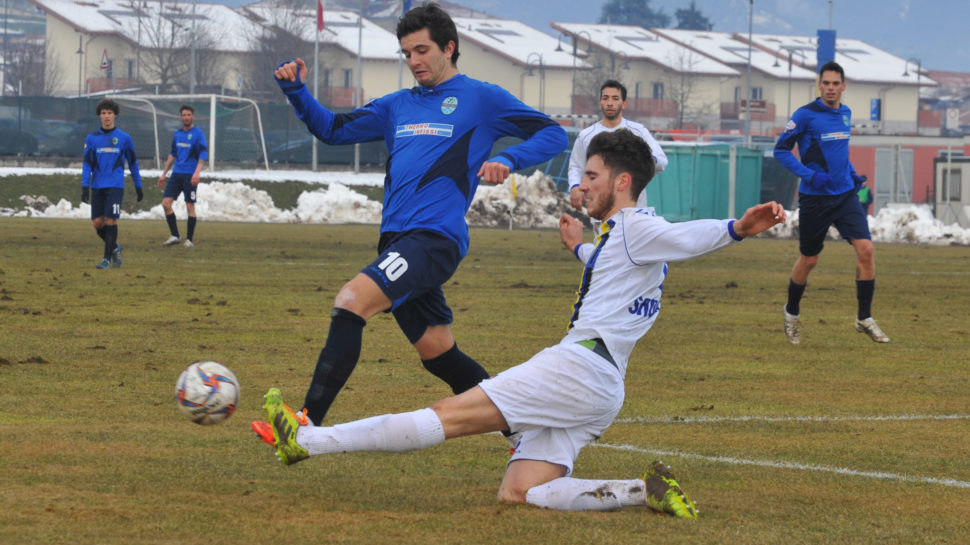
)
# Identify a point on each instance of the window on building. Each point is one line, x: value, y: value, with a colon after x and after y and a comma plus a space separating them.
x: 326, y: 78
x: 657, y: 89
x: 131, y: 69
x: 348, y: 77
x: 757, y: 93
x: 952, y: 180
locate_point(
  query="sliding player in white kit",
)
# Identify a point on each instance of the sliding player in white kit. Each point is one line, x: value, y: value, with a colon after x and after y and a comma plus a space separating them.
x: 612, y: 102
x: 567, y: 395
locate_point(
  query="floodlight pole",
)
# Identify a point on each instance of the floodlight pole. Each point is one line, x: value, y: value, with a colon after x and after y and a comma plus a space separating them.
x: 360, y: 67
x: 192, y: 56
x: 747, y: 93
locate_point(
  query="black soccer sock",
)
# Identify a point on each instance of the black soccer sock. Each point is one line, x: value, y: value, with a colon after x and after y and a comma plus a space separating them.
x: 110, y: 240
x: 335, y: 364
x: 172, y: 225
x: 191, y: 228
x: 100, y: 231
x: 795, y: 292
x: 864, y: 290
x: 457, y: 369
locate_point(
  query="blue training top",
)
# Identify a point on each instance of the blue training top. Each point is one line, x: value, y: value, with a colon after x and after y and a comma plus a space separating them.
x: 105, y: 153
x: 822, y: 134
x: 438, y: 139
x: 188, y: 146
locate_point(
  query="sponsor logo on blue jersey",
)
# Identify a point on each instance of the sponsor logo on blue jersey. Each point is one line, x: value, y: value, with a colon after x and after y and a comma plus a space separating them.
x: 108, y: 150
x: 428, y: 129
x: 449, y: 105
x: 183, y: 144
x: 829, y: 136
x: 645, y: 307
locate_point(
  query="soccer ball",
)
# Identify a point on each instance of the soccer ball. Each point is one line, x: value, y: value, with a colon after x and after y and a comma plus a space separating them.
x: 207, y: 392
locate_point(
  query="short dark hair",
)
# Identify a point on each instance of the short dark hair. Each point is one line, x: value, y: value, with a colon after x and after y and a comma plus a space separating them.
x: 107, y: 104
x: 832, y: 66
x: 439, y: 24
x: 622, y: 151
x: 613, y: 84
x: 186, y: 107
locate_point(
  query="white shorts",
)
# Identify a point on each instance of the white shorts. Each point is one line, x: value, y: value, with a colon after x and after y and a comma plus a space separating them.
x: 561, y: 400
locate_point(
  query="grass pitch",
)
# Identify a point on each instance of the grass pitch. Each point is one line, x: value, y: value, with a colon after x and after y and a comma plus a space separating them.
x: 836, y: 440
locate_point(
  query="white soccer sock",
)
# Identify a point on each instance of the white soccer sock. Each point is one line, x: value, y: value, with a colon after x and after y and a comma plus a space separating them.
x: 569, y: 494
x: 389, y: 433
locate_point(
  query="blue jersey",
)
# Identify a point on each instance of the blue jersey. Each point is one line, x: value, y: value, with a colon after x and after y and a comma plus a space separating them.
x: 822, y: 136
x: 188, y: 147
x: 105, y: 154
x: 438, y: 139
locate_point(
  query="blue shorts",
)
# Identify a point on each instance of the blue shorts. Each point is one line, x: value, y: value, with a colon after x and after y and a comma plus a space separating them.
x: 816, y: 213
x: 106, y: 202
x: 410, y: 270
x: 179, y: 183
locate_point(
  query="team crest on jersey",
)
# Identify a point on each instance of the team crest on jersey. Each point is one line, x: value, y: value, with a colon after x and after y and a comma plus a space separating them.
x: 845, y: 119
x: 790, y: 126
x: 114, y: 141
x: 449, y: 105
x: 189, y: 136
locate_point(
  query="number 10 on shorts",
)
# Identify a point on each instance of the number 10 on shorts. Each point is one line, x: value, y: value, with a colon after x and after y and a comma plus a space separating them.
x: 393, y: 266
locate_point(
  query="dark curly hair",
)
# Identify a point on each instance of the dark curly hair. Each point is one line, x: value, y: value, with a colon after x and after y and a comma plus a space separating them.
x: 107, y: 104
x: 436, y: 20
x: 622, y: 151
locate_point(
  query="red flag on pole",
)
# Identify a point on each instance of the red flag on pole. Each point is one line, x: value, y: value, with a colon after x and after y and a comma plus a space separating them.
x: 319, y: 14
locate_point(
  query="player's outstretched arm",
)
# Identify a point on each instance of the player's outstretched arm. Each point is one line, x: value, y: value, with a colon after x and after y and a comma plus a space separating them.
x: 759, y: 218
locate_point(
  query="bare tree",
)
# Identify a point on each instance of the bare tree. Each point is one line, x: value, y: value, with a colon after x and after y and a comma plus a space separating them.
x: 682, y: 85
x: 168, y: 42
x: 25, y: 68
x: 53, y: 74
x: 284, y: 23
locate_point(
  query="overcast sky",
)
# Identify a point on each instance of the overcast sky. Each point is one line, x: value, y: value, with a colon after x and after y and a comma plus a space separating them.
x: 934, y: 31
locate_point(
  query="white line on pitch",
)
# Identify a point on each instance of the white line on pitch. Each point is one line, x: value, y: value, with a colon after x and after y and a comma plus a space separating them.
x: 791, y: 465
x: 716, y: 419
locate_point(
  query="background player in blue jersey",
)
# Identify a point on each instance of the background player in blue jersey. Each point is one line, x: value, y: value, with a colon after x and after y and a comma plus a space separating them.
x: 439, y: 135
x: 826, y: 197
x: 103, y: 178
x: 189, y: 154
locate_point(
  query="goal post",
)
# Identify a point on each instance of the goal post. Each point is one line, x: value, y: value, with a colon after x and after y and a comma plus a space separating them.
x: 235, y: 124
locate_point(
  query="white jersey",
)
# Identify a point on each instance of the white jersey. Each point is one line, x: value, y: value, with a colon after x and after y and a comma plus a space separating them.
x: 577, y: 159
x: 619, y: 296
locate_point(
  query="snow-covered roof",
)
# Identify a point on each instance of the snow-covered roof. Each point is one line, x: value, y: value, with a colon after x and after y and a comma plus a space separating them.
x: 133, y: 20
x: 725, y: 48
x: 637, y: 43
x: 339, y: 28
x: 861, y: 61
x: 516, y: 41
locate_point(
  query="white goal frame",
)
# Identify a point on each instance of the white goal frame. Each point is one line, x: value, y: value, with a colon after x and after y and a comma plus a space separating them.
x: 211, y: 137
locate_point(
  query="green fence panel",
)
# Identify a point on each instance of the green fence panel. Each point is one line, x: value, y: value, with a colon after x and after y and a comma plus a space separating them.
x: 696, y: 183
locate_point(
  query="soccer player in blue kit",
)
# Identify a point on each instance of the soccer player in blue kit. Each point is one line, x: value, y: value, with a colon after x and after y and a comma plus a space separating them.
x: 439, y: 135
x: 566, y: 396
x: 827, y: 195
x: 189, y: 154
x: 103, y: 178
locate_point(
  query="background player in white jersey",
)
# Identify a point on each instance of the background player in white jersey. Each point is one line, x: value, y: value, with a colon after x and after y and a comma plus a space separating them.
x: 566, y: 396
x: 612, y: 103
